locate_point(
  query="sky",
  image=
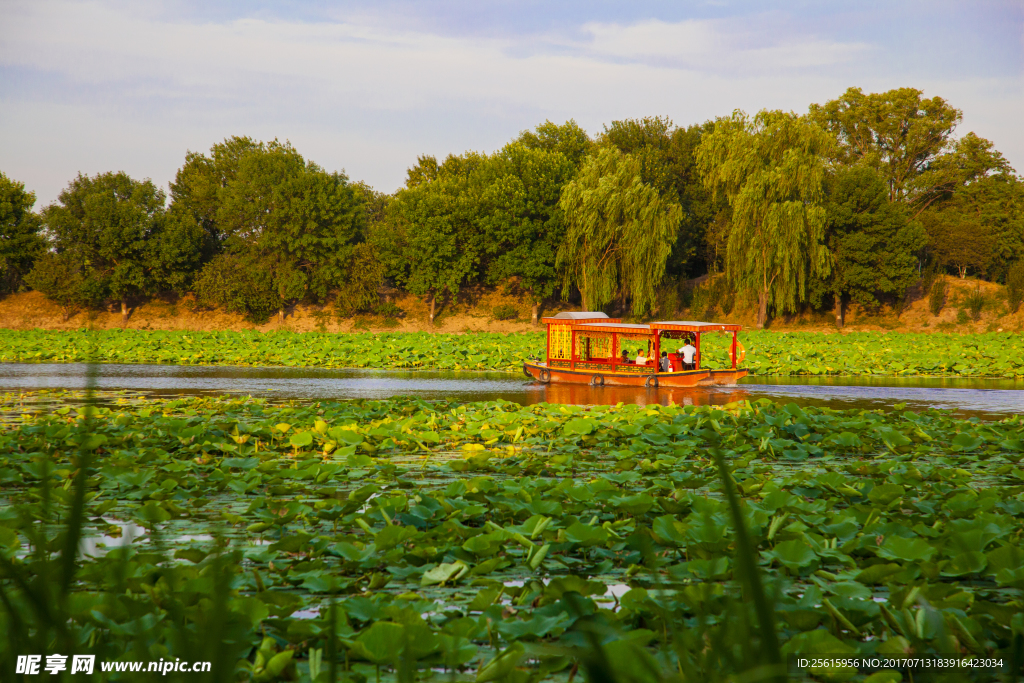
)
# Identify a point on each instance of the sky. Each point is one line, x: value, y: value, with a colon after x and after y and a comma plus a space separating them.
x: 89, y: 86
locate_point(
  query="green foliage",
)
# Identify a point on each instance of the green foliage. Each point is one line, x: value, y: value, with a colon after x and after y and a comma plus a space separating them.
x: 711, y: 297
x: 771, y: 169
x: 975, y: 301
x: 768, y: 353
x: 20, y: 242
x: 619, y: 233
x: 937, y: 296
x: 518, y: 217
x: 289, y: 227
x: 239, y: 284
x: 64, y: 281
x: 667, y: 159
x: 430, y: 243
x: 896, y: 132
x: 873, y: 243
x: 567, y: 139
x: 505, y: 312
x: 529, y: 540
x: 1015, y: 286
x: 115, y: 232
x: 979, y: 227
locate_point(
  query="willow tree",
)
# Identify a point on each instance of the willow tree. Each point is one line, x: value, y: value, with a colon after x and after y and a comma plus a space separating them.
x: 619, y: 232
x: 771, y: 169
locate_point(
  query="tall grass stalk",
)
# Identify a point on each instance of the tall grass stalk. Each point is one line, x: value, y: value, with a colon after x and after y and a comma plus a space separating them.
x: 746, y: 560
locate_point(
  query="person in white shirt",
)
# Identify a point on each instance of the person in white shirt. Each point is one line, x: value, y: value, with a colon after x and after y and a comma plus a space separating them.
x: 641, y: 359
x: 688, y: 352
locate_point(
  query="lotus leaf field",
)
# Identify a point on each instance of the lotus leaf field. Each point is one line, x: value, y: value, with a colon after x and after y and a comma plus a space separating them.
x: 767, y: 353
x: 410, y: 540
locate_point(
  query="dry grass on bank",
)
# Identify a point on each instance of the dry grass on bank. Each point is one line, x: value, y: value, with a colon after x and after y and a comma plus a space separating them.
x: 474, y: 311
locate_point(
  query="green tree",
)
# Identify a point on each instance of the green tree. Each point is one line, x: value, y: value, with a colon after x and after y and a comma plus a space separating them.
x: 430, y: 242
x: 974, y: 213
x: 519, y: 220
x: 873, y: 244
x: 568, y: 139
x: 771, y: 169
x: 619, y: 232
x: 897, y: 132
x: 666, y: 155
x: 198, y: 185
x: 20, y: 242
x: 287, y: 230
x: 114, y: 231
x: 61, y: 279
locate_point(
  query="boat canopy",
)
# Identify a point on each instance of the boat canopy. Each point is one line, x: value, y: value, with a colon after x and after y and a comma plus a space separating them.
x: 694, y: 326
x: 618, y: 327
x: 577, y: 317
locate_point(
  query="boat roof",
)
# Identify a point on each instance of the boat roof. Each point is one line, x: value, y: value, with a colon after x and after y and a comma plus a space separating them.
x: 636, y: 328
x: 576, y: 317
x: 620, y: 327
x: 694, y: 326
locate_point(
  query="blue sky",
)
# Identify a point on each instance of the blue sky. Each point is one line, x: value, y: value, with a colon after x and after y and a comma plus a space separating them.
x: 367, y: 86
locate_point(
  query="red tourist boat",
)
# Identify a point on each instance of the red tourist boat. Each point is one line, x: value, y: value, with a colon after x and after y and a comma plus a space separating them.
x: 591, y: 348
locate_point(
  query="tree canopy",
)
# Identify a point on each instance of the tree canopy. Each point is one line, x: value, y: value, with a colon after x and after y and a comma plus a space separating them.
x: 772, y: 170
x: 284, y: 228
x: 873, y: 244
x: 112, y: 233
x: 20, y: 242
x: 897, y: 132
x: 619, y: 232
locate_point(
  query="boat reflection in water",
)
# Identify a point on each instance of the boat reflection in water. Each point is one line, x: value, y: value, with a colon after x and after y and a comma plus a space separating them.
x: 583, y: 394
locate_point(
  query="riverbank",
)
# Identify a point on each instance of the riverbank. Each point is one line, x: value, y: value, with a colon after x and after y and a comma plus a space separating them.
x: 489, y: 309
x: 769, y: 353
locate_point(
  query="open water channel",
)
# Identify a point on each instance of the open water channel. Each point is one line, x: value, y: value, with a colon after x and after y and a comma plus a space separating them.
x: 988, y: 398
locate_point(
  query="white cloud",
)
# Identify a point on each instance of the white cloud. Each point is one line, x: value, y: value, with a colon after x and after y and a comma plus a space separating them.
x: 110, y: 89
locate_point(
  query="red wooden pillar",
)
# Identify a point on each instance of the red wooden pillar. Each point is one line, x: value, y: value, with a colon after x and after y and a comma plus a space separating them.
x: 572, y: 349
x: 734, y: 349
x: 657, y: 351
x: 696, y: 359
x: 615, y: 352
x: 547, y: 359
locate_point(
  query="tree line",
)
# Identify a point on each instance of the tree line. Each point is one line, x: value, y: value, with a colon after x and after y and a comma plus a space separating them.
x: 851, y: 201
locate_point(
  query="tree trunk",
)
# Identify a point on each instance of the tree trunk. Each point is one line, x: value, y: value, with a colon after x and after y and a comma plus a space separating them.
x: 839, y: 311
x: 433, y: 303
x: 762, y: 309
x: 583, y: 299
x: 535, y: 313
x: 124, y: 312
x: 280, y: 314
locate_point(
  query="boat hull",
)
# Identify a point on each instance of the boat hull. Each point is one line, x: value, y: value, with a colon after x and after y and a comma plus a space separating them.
x: 686, y: 378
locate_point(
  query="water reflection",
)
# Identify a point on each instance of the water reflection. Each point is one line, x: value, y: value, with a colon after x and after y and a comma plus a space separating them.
x: 983, y: 397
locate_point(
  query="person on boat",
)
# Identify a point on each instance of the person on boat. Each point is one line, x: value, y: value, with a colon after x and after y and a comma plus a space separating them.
x: 641, y: 359
x: 666, y: 364
x: 688, y: 352
x: 625, y: 356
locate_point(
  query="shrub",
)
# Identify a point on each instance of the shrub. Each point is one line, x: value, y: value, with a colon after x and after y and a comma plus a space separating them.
x: 711, y: 296
x: 937, y: 297
x: 961, y: 317
x: 62, y: 281
x: 975, y: 302
x: 1015, y: 286
x: 505, y: 312
x: 389, y: 311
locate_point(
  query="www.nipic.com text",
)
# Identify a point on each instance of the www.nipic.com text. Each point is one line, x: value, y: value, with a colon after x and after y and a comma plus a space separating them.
x: 85, y: 664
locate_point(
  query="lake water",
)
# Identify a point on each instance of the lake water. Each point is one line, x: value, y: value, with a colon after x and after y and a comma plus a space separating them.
x: 990, y: 398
